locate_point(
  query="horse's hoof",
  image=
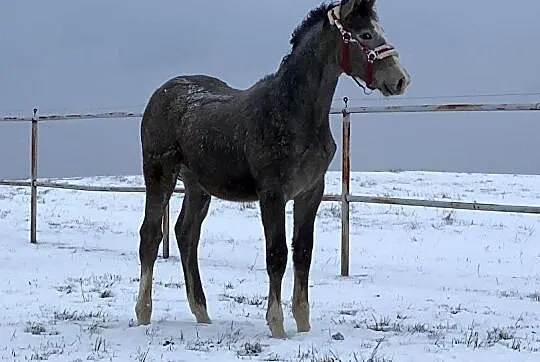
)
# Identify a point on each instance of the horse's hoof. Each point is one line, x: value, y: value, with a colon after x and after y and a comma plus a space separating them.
x: 303, y: 328
x: 201, y: 315
x: 278, y: 332
x: 143, y: 321
x: 143, y: 316
x: 203, y: 319
x: 302, y: 319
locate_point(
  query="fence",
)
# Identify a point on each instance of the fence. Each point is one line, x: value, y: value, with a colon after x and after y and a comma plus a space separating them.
x: 345, y: 198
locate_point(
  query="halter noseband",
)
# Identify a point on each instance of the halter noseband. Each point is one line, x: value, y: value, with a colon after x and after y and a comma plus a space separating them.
x: 348, y: 38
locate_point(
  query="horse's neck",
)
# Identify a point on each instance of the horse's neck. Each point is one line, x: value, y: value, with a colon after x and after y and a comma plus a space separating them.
x: 307, y: 81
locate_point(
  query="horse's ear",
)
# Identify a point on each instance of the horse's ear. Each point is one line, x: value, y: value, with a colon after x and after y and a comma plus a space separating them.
x: 369, y: 4
x: 348, y: 7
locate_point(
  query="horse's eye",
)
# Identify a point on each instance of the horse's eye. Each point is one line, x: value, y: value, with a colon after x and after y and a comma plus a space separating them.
x: 366, y: 36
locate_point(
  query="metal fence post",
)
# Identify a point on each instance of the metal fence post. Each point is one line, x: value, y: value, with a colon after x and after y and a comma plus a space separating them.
x: 33, y: 178
x: 166, y: 232
x: 345, y: 187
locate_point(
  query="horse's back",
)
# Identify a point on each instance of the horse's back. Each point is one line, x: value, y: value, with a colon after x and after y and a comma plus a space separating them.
x: 179, y: 99
x: 187, y: 85
x: 196, y: 117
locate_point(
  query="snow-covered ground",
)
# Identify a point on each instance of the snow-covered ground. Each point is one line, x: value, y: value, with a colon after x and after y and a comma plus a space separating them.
x: 425, y: 285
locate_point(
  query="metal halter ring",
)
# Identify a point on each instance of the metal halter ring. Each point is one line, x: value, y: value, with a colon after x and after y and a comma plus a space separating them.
x: 372, y: 55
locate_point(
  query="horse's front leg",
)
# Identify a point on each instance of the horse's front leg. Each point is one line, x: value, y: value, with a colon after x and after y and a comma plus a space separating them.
x: 272, y: 204
x: 305, y: 211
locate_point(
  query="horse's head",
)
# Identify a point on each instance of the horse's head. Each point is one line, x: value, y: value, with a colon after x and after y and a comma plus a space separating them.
x: 364, y: 52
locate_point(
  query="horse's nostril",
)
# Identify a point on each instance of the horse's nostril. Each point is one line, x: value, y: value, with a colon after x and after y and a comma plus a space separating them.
x: 400, y: 84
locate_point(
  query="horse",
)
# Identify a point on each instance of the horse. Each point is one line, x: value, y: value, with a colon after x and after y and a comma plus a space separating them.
x: 270, y: 143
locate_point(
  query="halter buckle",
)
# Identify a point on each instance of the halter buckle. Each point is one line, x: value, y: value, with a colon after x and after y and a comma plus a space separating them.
x: 372, y: 56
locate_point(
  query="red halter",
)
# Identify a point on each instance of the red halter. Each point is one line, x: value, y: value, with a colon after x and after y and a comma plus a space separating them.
x: 379, y: 53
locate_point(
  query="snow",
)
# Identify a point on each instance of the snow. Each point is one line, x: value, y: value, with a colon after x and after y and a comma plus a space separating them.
x: 425, y: 284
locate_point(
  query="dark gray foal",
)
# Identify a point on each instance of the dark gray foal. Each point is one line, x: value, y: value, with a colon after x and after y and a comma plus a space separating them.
x: 270, y: 143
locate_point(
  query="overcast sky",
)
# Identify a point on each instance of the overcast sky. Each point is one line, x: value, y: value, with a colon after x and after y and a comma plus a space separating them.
x: 100, y: 55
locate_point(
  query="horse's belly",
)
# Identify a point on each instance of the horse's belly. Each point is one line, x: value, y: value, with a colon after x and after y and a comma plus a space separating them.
x: 226, y: 181
x: 230, y: 188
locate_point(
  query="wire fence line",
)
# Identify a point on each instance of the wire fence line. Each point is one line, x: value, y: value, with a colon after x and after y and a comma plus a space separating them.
x: 448, y: 97
x: 422, y: 108
x: 66, y: 117
x: 345, y: 198
x: 335, y: 100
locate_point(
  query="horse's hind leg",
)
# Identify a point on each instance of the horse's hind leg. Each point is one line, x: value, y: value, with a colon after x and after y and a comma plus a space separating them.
x: 160, y: 179
x: 188, y: 232
x: 305, y: 210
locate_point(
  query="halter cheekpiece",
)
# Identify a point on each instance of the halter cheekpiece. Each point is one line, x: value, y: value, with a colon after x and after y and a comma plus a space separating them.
x: 372, y: 55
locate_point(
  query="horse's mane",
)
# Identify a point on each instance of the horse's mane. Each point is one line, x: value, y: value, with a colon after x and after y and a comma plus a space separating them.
x: 364, y: 8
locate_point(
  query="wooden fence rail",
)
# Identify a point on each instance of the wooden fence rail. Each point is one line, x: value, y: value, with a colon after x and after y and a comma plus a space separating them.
x: 345, y: 198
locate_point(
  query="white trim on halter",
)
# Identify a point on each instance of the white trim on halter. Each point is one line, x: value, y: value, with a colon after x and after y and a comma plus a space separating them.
x: 380, y: 52
x: 336, y: 10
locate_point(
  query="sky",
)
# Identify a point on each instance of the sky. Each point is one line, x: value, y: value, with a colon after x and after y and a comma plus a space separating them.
x: 90, y: 56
